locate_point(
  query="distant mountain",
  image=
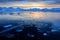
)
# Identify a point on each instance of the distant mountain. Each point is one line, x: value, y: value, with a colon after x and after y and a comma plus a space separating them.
x: 12, y: 10
x: 45, y: 10
x: 35, y: 9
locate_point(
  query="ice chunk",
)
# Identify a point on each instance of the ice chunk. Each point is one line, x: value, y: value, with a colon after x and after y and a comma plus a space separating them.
x: 6, y: 26
x: 45, y: 34
x: 30, y: 35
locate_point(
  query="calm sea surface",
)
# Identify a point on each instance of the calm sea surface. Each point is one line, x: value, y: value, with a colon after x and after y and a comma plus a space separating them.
x: 32, y: 17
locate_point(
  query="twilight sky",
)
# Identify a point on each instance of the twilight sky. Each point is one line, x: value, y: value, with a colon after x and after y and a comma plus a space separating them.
x: 30, y: 3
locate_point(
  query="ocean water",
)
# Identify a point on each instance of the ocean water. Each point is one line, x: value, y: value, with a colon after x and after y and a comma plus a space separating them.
x: 18, y: 21
x: 32, y: 16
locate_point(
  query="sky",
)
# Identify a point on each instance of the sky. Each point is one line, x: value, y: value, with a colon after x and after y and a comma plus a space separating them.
x: 30, y: 3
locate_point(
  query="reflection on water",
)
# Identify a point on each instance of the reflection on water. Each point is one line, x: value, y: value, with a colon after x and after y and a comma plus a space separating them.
x: 31, y: 16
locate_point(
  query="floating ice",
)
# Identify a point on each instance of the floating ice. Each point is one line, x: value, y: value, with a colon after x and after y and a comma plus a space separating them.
x: 30, y: 35
x: 53, y: 30
x: 45, y: 34
x: 6, y: 26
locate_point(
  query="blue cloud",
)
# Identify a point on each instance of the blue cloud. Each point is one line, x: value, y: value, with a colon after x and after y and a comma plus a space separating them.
x: 47, y: 1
